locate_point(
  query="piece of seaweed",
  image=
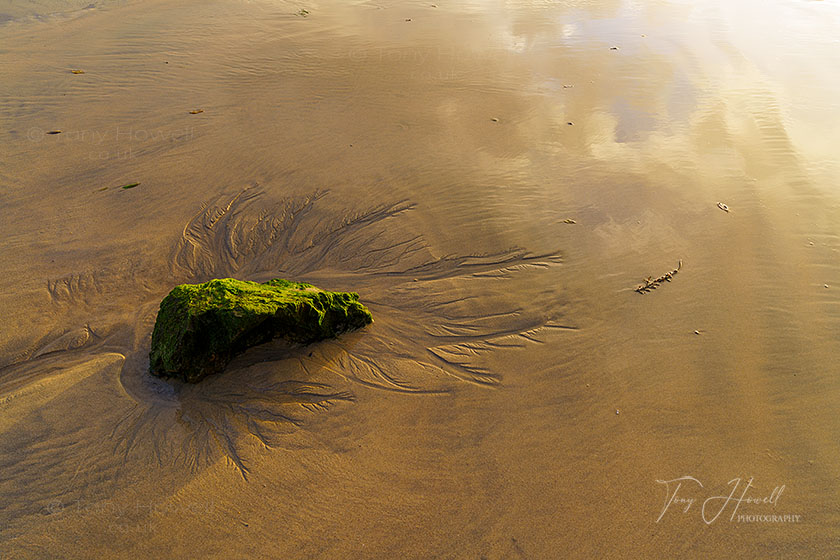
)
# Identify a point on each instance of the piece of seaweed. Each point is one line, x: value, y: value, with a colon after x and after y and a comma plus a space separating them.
x: 653, y: 283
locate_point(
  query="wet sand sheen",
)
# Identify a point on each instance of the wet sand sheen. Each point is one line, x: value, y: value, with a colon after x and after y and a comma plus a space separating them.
x: 514, y: 398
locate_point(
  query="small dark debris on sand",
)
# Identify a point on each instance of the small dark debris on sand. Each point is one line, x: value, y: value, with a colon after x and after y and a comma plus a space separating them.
x: 653, y: 283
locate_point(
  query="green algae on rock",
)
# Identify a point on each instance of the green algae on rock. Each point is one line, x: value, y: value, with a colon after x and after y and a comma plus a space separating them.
x: 201, y: 327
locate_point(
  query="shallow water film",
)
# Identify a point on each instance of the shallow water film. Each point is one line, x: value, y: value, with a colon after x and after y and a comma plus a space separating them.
x: 600, y: 241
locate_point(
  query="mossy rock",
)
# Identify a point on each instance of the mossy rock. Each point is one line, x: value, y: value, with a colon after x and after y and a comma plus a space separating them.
x: 201, y: 327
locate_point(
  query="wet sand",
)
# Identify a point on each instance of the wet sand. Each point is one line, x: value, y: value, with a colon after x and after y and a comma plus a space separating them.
x: 515, y: 398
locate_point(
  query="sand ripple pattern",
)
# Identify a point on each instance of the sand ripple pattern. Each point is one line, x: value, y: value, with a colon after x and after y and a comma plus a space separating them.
x: 456, y: 303
x: 439, y: 319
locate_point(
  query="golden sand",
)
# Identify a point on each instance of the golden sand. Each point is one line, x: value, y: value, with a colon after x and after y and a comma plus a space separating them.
x: 494, y: 179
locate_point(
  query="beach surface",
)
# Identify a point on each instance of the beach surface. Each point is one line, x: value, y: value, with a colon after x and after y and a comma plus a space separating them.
x: 494, y: 179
